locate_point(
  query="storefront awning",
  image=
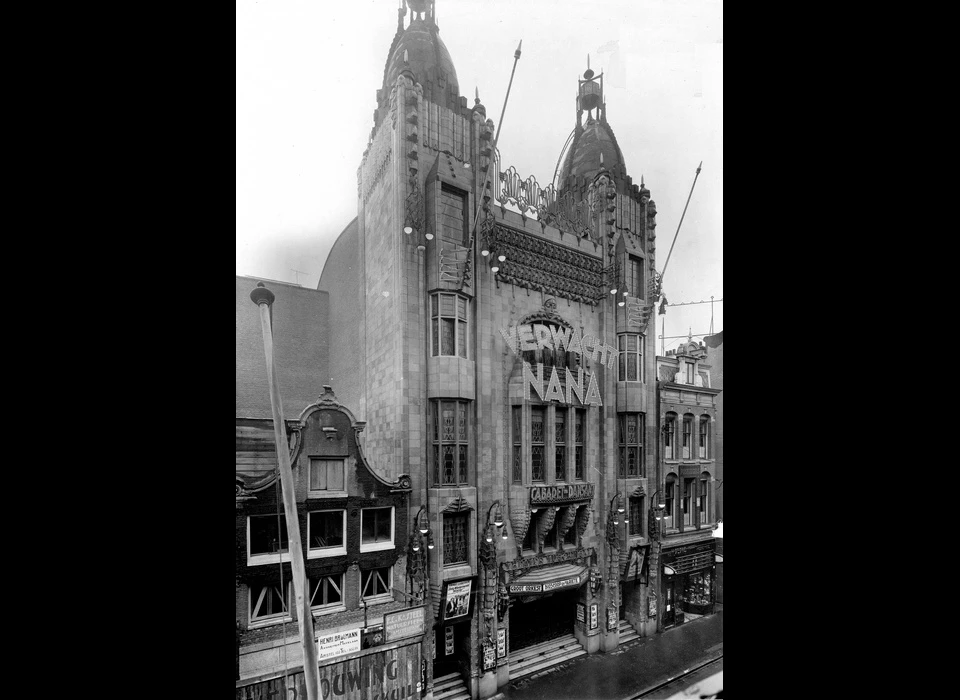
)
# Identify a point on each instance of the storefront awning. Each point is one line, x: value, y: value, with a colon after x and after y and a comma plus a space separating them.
x: 548, y: 579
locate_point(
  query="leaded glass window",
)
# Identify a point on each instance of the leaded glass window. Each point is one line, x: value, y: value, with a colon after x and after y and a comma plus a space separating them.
x: 560, y: 446
x: 630, y: 438
x: 449, y: 325
x: 517, y: 446
x: 455, y: 526
x: 451, y: 444
x: 636, y: 522
x: 537, y: 443
x: 578, y: 444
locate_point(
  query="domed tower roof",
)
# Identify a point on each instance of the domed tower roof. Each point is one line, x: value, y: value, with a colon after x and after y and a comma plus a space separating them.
x: 419, y: 50
x: 594, y: 147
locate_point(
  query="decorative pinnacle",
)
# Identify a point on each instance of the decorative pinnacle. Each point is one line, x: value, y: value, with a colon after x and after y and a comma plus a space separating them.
x: 477, y: 93
x: 261, y: 295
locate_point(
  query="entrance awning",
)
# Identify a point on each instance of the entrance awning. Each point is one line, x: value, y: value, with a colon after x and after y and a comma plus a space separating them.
x: 548, y: 579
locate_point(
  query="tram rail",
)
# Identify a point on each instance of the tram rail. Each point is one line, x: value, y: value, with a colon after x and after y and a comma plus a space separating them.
x: 707, y: 687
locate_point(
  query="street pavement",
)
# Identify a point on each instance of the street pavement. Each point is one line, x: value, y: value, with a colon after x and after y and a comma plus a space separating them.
x: 626, y: 672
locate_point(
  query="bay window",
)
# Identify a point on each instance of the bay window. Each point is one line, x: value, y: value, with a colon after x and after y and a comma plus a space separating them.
x: 449, y: 325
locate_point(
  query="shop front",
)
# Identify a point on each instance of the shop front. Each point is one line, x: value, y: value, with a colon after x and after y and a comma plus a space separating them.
x: 543, y: 603
x: 689, y: 576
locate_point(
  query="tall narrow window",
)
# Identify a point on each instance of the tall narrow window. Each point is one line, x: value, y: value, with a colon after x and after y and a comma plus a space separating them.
x: 455, y: 527
x: 669, y: 436
x: 703, y: 499
x: 517, y: 445
x: 687, y: 436
x: 454, y: 219
x: 570, y: 537
x: 689, y: 373
x: 630, y: 358
x: 631, y: 444
x: 537, y: 443
x: 636, y: 519
x: 687, y: 495
x: 530, y: 538
x: 449, y: 325
x: 578, y: 444
x: 668, y: 499
x: 450, y: 442
x: 560, y: 444
x: 704, y: 428
x: 550, y: 539
x: 634, y: 277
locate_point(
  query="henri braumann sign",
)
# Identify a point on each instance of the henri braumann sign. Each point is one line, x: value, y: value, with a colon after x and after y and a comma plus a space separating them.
x: 531, y: 336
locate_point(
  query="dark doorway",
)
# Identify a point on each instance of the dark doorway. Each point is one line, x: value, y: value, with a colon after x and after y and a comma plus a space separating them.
x: 452, y: 645
x: 542, y: 618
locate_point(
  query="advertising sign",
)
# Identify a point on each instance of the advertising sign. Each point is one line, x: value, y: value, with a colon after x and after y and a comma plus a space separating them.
x: 581, y: 613
x: 457, y: 599
x: 593, y: 616
x: 521, y: 588
x: 501, y: 643
x: 489, y: 660
x: 403, y: 623
x: 448, y: 640
x: 337, y: 644
x: 613, y: 620
x: 393, y: 674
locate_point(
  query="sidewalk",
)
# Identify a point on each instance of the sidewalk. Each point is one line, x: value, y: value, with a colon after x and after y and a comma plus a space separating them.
x: 628, y: 672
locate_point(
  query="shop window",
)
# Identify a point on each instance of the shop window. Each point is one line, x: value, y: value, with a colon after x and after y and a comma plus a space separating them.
x: 578, y: 446
x: 670, y: 436
x: 517, y: 445
x: 326, y: 475
x: 455, y: 538
x: 325, y: 533
x: 686, y: 503
x: 630, y: 358
x: 560, y: 444
x: 687, y: 436
x: 537, y: 443
x: 630, y: 429
x: 704, y: 436
x: 698, y: 593
x: 266, y: 539
x: 270, y: 602
x: 636, y: 519
x: 668, y: 499
x: 376, y: 529
x: 326, y: 592
x: 451, y: 445
x: 449, y: 325
x: 376, y: 584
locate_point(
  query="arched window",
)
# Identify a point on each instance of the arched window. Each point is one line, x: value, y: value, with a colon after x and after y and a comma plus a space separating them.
x: 669, y: 494
x: 670, y: 436
x: 686, y: 446
x: 704, y: 507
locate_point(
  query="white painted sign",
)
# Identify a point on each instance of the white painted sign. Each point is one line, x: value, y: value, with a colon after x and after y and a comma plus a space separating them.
x: 337, y: 644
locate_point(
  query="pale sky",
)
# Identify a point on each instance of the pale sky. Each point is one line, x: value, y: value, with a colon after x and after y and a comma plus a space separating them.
x: 308, y: 72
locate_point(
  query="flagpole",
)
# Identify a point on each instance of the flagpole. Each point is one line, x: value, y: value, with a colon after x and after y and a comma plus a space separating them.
x: 264, y: 298
x: 680, y: 224
x: 496, y: 139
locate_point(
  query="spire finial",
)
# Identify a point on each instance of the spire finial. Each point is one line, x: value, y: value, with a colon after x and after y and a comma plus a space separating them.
x: 641, y: 180
x: 477, y: 91
x: 690, y: 334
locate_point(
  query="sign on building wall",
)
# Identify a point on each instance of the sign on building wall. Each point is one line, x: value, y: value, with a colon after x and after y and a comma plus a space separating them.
x: 593, y: 616
x: 448, y: 640
x: 522, y: 588
x: 337, y: 644
x: 581, y: 613
x: 489, y: 658
x: 457, y: 599
x: 613, y: 620
x: 394, y: 673
x: 501, y: 643
x: 403, y: 623
x: 565, y: 493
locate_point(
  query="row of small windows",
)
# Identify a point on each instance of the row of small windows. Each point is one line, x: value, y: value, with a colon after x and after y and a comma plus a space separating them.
x: 267, y: 534
x: 565, y: 421
x: 687, y: 501
x: 686, y: 448
x: 271, y: 602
